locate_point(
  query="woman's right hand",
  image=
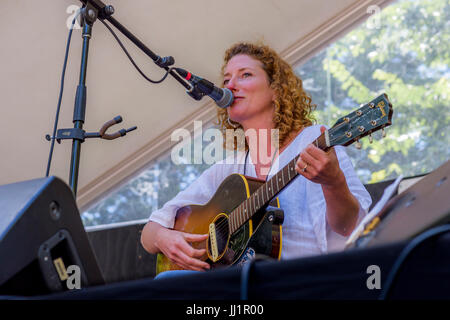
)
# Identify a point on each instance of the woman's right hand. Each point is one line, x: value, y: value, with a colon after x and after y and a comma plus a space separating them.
x: 174, y: 245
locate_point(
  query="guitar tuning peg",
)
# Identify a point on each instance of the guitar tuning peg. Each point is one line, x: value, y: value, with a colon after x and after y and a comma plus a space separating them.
x: 370, y: 138
x: 383, y: 133
x: 358, y: 144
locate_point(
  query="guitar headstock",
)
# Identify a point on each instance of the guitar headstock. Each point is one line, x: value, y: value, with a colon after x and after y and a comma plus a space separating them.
x: 371, y: 117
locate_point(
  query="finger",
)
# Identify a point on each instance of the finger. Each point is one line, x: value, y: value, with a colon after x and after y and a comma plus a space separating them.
x: 324, y: 159
x: 308, y: 159
x: 315, y: 152
x: 306, y: 173
x: 190, y: 251
x: 181, y: 259
x: 304, y: 169
x: 174, y: 258
x: 192, y: 237
x: 181, y: 264
x: 192, y: 262
x: 310, y: 173
x: 193, y: 252
x: 188, y: 267
x: 198, y: 253
x: 332, y: 151
x: 300, y: 165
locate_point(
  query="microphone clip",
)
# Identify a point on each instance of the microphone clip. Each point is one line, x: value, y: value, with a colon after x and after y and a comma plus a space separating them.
x: 195, y: 93
x: 164, y: 62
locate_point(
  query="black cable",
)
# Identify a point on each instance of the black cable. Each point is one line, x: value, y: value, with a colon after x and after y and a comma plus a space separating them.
x: 131, y: 59
x: 52, y: 145
x: 405, y: 253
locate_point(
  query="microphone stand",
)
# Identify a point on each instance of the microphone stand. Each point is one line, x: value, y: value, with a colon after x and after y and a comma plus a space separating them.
x: 93, y: 9
x: 80, y: 100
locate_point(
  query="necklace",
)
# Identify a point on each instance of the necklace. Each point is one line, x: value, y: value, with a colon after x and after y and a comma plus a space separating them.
x: 271, y: 164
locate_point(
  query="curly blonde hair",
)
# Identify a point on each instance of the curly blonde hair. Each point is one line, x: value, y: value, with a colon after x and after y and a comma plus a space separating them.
x: 293, y: 106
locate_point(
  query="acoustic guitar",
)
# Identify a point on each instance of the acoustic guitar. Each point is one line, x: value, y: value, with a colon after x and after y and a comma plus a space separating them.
x: 243, y: 218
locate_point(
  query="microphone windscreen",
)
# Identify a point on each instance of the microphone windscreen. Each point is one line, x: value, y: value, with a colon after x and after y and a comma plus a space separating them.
x: 226, y: 100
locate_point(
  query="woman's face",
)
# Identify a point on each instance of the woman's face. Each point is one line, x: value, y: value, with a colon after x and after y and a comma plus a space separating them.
x: 253, y: 97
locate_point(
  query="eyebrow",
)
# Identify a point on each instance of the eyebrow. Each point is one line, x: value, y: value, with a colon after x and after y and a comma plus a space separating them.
x: 227, y: 74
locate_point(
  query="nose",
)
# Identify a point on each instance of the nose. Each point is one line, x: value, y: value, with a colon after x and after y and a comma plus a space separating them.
x: 231, y: 84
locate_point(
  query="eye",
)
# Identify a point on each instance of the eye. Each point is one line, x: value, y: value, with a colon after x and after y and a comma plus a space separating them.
x: 225, y: 81
x: 246, y: 74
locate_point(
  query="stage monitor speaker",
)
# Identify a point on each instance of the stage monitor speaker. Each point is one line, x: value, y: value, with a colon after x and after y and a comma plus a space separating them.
x: 41, y: 236
x: 424, y: 205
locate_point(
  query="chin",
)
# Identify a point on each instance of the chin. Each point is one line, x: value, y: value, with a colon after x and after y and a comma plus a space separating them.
x: 236, y: 118
x: 236, y: 113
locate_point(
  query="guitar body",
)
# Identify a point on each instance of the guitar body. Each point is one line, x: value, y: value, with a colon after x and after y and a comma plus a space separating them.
x: 259, y: 235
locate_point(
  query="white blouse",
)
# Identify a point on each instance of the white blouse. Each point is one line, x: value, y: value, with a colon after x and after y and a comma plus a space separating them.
x: 305, y: 229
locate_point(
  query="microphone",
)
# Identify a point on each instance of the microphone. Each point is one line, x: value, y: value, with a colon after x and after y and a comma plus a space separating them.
x: 222, y: 96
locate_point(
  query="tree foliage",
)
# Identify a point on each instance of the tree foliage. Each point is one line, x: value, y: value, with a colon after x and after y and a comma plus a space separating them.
x: 406, y: 57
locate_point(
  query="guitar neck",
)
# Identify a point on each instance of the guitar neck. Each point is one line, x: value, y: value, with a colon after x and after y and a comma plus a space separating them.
x: 270, y: 189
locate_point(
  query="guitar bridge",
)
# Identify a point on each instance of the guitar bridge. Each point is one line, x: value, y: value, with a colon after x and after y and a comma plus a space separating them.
x: 213, y: 242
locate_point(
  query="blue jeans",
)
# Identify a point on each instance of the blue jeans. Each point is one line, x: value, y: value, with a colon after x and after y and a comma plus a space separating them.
x: 173, y: 273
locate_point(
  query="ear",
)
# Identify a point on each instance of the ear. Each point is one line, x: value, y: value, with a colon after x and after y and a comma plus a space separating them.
x: 274, y: 96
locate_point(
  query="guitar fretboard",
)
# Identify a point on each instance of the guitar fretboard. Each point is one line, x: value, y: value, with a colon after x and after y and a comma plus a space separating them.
x: 264, y: 194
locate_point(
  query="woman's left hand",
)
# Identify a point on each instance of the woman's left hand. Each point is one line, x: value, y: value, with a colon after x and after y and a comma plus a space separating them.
x: 319, y: 166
